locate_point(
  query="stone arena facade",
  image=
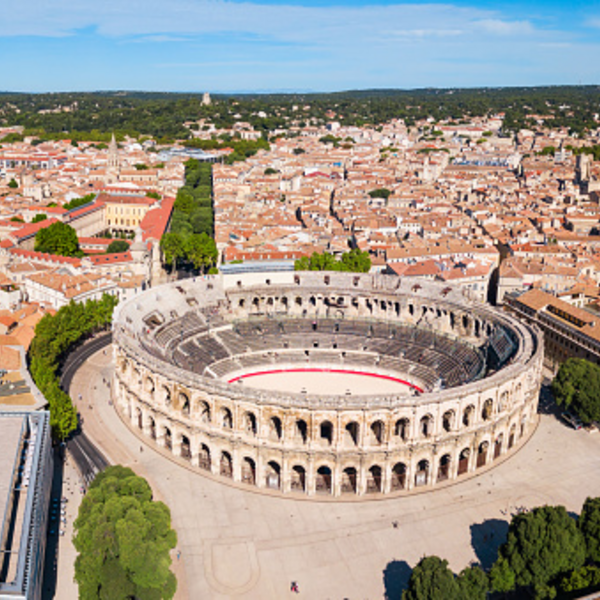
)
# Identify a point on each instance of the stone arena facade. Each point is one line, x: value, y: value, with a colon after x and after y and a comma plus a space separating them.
x: 474, y: 375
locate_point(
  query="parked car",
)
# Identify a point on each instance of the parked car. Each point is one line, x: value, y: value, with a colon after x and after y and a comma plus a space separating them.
x: 573, y: 420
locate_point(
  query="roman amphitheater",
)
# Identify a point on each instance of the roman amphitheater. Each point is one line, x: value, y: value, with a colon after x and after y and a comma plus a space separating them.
x: 325, y: 384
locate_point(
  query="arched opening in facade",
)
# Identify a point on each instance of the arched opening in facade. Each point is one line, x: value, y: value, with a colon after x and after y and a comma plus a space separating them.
x: 301, y: 430
x: 487, y: 410
x: 511, y: 436
x: 377, y: 433
x: 298, y: 483
x: 168, y: 439
x: 422, y: 474
x: 250, y: 423
x: 323, y: 480
x: 349, y: 480
x: 468, y: 414
x: 166, y: 395
x: 448, y: 420
x: 150, y: 386
x: 140, y: 418
x: 226, y: 418
x: 204, y: 410
x: 351, y: 434
x: 398, y: 476
x: 426, y: 426
x: 273, y: 475
x: 248, y: 471
x: 444, y: 468
x: 226, y: 465
x: 463, y: 461
x: 152, y: 428
x: 402, y: 428
x: 326, y: 432
x: 482, y: 454
x: 204, y: 457
x: 498, y: 446
x: 184, y: 403
x: 374, y: 480
x: 186, y: 450
x: 275, y: 429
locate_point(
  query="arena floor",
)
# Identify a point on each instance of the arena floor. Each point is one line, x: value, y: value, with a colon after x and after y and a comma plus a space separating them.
x: 323, y: 381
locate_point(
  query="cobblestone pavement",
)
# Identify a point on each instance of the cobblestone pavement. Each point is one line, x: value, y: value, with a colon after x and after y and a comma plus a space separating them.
x: 236, y: 543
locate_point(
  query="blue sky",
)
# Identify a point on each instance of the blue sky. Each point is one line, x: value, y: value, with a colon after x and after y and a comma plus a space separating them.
x: 297, y: 45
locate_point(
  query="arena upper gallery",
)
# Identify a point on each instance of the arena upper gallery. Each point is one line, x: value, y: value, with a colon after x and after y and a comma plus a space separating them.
x: 325, y: 384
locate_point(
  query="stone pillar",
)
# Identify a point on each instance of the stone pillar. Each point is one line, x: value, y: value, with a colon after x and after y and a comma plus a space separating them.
x: 310, y: 476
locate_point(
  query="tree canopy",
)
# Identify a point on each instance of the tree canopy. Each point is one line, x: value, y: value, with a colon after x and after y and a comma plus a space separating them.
x: 431, y: 579
x: 577, y: 386
x: 58, y: 238
x: 123, y: 538
x: 541, y: 545
x: 355, y: 261
x: 117, y: 246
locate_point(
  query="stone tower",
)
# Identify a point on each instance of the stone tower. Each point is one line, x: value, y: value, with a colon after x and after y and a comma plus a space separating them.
x: 113, y: 154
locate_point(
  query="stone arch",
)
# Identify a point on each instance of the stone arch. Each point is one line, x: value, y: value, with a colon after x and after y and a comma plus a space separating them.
x: 152, y: 427
x: 351, y: 434
x: 139, y: 418
x: 512, y: 436
x: 426, y: 426
x: 323, y: 480
x: 326, y: 432
x: 398, y: 476
x: 248, y: 471
x: 298, y: 478
x: 275, y: 429
x: 226, y: 465
x: 149, y: 386
x: 168, y: 436
x: 444, y: 467
x: 273, y: 475
x: 402, y: 428
x: 374, y: 480
x: 226, y: 418
x: 349, y: 480
x: 448, y: 419
x: 204, y: 457
x: 422, y: 473
x: 249, y: 423
x: 186, y: 448
x: 498, y: 445
x: 487, y: 410
x: 377, y: 432
x: 165, y: 394
x: 468, y: 416
x: 184, y: 403
x: 204, y: 411
x: 463, y: 461
x: 482, y: 452
x: 301, y: 430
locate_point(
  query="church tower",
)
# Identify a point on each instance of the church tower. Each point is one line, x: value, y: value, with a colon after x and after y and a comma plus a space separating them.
x: 113, y: 156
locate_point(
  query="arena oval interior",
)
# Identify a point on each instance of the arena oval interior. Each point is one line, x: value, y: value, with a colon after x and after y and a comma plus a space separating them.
x: 325, y: 384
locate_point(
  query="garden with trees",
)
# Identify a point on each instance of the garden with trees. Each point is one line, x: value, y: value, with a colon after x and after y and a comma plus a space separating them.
x: 548, y: 553
x: 577, y: 388
x: 123, y: 538
x: 55, y: 335
x: 189, y: 240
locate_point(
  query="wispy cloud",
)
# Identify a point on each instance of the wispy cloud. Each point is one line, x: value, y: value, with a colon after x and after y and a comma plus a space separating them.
x: 506, y: 28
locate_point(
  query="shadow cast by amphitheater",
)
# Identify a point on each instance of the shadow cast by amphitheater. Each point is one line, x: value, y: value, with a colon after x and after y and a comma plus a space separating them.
x: 486, y: 539
x: 395, y: 579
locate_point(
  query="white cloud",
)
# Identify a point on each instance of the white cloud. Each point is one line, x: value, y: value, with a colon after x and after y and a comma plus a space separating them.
x: 499, y: 27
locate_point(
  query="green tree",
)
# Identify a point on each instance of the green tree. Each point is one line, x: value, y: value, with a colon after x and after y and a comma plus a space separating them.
x: 473, y: 584
x: 580, y: 579
x: 39, y: 217
x: 77, y: 202
x: 577, y: 386
x: 201, y: 251
x: 58, y: 238
x: 123, y: 538
x: 380, y: 193
x: 117, y: 246
x: 431, y: 579
x: 589, y: 525
x: 502, y: 577
x: 13, y: 184
x: 173, y: 248
x: 542, y: 545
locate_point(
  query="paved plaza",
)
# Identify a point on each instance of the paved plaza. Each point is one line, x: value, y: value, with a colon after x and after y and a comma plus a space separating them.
x: 237, y: 543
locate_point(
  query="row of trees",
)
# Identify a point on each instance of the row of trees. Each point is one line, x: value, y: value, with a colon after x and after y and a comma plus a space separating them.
x: 355, y: 261
x: 547, y: 553
x: 190, y: 236
x: 54, y: 337
x: 123, y: 538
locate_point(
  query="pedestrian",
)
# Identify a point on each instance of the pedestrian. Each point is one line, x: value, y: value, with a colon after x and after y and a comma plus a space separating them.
x: 178, y: 554
x: 294, y: 587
